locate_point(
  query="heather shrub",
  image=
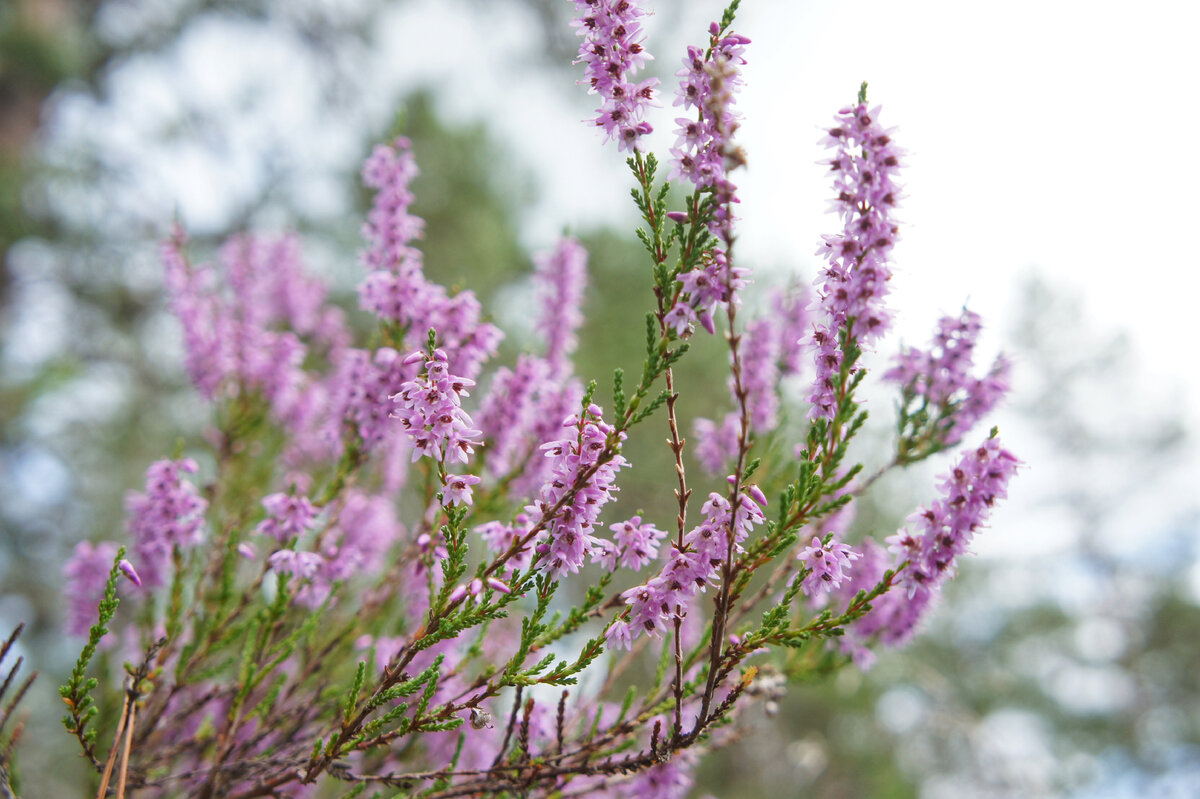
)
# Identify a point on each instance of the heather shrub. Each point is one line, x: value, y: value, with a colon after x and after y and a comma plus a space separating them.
x: 402, y: 568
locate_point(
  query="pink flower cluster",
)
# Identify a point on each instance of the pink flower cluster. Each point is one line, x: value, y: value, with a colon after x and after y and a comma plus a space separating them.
x: 510, y: 411
x: 581, y: 483
x: 716, y: 444
x: 396, y: 289
x: 249, y: 327
x: 703, y: 290
x: 855, y: 282
x: 612, y: 52
x: 941, y: 534
x: 828, y: 565
x: 634, y: 544
x: 942, y: 376
x: 561, y: 277
x: 771, y: 349
x: 790, y: 314
x: 656, y: 603
x: 365, y: 527
x: 946, y: 528
x: 309, y: 571
x: 704, y: 152
x: 232, y: 339
x: 169, y: 514
x: 359, y: 393
x: 364, y: 530
x: 430, y: 411
x: 457, y: 490
x: 288, y: 516
x: 500, y: 537
x: 525, y: 405
x: 670, y: 780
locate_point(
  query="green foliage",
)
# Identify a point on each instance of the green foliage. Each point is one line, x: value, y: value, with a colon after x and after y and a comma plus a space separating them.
x: 77, y: 692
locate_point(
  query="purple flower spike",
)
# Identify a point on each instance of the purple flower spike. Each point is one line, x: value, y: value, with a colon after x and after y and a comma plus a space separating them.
x: 396, y: 289
x: 561, y: 278
x: 431, y: 414
x: 637, y: 542
x: 930, y: 547
x: 169, y: 514
x: 855, y: 283
x: 570, y: 530
x: 309, y: 571
x: 942, y: 376
x: 612, y: 50
x: 654, y: 605
x: 288, y: 516
x: 704, y: 152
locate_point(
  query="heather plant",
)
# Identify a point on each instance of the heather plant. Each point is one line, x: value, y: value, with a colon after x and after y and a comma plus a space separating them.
x: 401, y: 569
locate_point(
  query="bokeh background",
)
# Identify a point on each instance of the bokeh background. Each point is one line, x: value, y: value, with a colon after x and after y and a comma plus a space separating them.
x: 1050, y: 185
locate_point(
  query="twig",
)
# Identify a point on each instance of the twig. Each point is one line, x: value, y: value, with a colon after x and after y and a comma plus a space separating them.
x: 125, y: 750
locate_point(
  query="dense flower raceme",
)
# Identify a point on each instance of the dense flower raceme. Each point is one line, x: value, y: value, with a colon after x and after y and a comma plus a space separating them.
x: 612, y: 52
x: 703, y: 290
x: 561, y: 277
x: 634, y: 544
x: 582, y: 481
x: 169, y: 514
x: 689, y: 569
x: 288, y: 516
x: 854, y: 284
x: 500, y: 538
x: 249, y: 326
x: 704, y: 152
x: 828, y: 565
x: 941, y: 376
x: 926, y: 552
x: 232, y: 317
x: 396, y: 289
x: 430, y: 411
x: 363, y: 529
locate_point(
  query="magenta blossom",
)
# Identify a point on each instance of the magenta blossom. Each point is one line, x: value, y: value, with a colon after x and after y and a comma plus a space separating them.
x: 430, y: 412
x: 612, y: 52
x: 458, y: 489
x: 169, y: 514
x: 828, y: 564
x: 288, y: 516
